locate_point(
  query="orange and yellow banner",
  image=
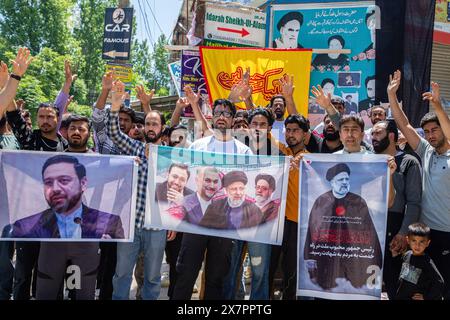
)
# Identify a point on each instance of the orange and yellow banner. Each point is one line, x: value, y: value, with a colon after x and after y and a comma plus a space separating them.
x: 224, y: 67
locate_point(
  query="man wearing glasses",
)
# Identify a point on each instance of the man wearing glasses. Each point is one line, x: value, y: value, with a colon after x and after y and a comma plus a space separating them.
x: 194, y: 246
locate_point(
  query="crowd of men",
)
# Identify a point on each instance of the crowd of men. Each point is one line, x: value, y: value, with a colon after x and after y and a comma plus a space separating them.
x: 419, y: 170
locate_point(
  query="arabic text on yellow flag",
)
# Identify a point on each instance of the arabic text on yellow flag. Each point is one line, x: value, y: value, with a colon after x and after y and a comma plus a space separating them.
x: 224, y: 67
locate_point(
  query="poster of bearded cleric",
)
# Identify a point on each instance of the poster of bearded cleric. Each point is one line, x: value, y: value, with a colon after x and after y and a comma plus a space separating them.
x: 343, y: 212
x: 48, y: 196
x: 349, y: 75
x: 225, y: 195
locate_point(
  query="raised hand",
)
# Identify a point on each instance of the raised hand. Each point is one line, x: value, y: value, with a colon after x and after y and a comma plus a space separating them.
x: 240, y: 92
x: 321, y: 98
x: 287, y: 85
x: 392, y: 165
x: 434, y: 96
x: 192, y: 97
x: 20, y: 104
x: 246, y: 75
x: 22, y: 61
x: 69, y: 101
x: 182, y: 103
x: 118, y: 95
x: 4, y: 74
x: 107, y: 81
x: 144, y: 97
x: 70, y: 77
x: 394, y: 82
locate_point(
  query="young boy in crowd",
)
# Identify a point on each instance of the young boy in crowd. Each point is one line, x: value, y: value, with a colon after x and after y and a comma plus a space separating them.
x: 419, y: 277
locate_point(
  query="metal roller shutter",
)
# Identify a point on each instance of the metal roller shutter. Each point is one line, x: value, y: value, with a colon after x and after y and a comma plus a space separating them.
x: 440, y: 69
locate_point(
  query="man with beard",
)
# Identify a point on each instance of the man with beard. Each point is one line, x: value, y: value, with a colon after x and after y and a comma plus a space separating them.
x: 350, y: 106
x: 194, y: 205
x: 104, y: 145
x: 297, y: 128
x: 278, y: 107
x: 101, y: 117
x: 174, y: 189
x: 137, y: 130
x: 194, y: 246
x: 265, y: 186
x: 406, y: 208
x: 335, y: 110
x: 434, y: 151
x: 289, y: 28
x: 150, y: 242
x: 261, y: 143
x: 222, y: 141
x: 376, y: 114
x: 64, y: 184
x: 330, y: 142
x: 78, y: 133
x: 331, y: 223
x: 240, y: 127
x: 233, y: 210
x: 45, y: 138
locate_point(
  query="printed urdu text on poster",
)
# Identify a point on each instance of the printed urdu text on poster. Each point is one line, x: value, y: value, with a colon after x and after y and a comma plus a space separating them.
x: 342, y: 229
x: 224, y: 67
x: 332, y: 26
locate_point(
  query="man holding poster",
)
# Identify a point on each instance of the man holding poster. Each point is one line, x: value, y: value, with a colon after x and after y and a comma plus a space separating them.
x: 340, y: 225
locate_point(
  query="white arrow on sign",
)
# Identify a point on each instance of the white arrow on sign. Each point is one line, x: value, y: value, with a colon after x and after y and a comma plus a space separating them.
x: 115, y: 54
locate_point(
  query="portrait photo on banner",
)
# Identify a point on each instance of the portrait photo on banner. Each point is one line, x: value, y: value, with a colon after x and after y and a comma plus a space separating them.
x: 347, y: 31
x: 343, y: 212
x: 67, y: 196
x: 225, y: 195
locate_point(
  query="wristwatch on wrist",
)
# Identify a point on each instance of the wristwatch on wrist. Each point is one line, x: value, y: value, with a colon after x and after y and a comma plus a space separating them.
x: 15, y: 76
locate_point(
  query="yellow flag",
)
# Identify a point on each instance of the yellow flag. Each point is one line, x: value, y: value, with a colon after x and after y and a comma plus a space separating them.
x: 224, y: 67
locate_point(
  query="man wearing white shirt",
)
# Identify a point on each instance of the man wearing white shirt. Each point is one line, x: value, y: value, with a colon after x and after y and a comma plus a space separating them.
x: 351, y: 131
x: 194, y: 246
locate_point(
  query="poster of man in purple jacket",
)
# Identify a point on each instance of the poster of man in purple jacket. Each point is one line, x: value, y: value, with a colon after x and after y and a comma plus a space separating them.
x: 68, y: 215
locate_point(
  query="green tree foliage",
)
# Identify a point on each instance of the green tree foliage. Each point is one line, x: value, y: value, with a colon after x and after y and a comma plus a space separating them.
x: 141, y: 58
x: 36, y: 24
x: 56, y: 30
x: 89, y: 34
x: 80, y: 109
x: 152, y: 66
x: 160, y: 61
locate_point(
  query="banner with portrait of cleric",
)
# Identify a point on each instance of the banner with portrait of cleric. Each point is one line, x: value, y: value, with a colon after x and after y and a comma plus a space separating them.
x: 343, y: 212
x: 334, y: 26
x: 225, y: 195
x: 67, y: 197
